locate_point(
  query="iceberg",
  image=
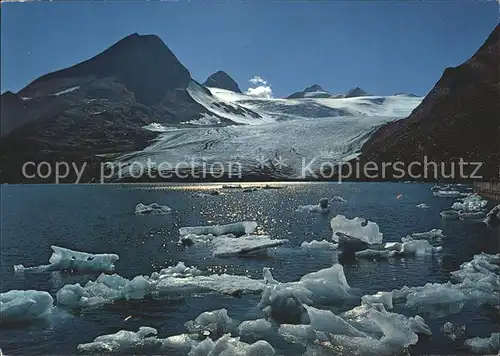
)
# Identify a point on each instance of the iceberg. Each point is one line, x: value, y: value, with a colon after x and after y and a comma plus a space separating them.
x: 448, y: 194
x: 465, y: 215
x: 154, y: 208
x: 477, y: 281
x: 487, y: 345
x: 170, y: 281
x: 360, y: 229
x: 471, y: 203
x: 238, y: 229
x: 230, y: 346
x: 408, y: 247
x: 318, y: 245
x: 493, y: 217
x: 229, y: 246
x: 431, y: 235
x: 254, y: 327
x: 285, y: 301
x: 214, y: 323
x: 384, y: 298
x: 321, y: 207
x: 453, y: 332
x: 18, y: 306
x: 449, y: 215
x: 423, y: 206
x: 144, y: 339
x: 66, y: 259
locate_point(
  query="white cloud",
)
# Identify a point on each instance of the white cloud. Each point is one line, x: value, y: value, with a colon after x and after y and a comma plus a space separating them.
x: 261, y: 88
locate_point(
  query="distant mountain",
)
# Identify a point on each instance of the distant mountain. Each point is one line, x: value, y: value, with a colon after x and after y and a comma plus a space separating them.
x: 355, y: 92
x: 406, y: 94
x: 314, y: 91
x: 222, y: 80
x: 458, y: 119
x: 100, y: 106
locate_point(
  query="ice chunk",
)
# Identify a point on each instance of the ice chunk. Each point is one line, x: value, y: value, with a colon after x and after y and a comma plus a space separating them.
x: 449, y: 215
x: 66, y: 259
x: 471, y: 203
x: 285, y: 301
x: 431, y: 235
x: 214, y: 323
x: 409, y: 247
x: 318, y: 245
x: 228, y: 246
x: 493, y: 217
x: 326, y: 321
x: 365, y: 231
x: 448, y: 194
x: 338, y: 199
x: 24, y: 306
x: 238, y: 229
x: 376, y: 254
x: 453, y: 332
x: 465, y: 215
x: 423, y: 206
x: 229, y: 346
x: 380, y: 297
x: 254, y: 327
x: 419, y: 248
x: 321, y: 207
x: 487, y: 345
x: 154, y: 208
x: 173, y: 280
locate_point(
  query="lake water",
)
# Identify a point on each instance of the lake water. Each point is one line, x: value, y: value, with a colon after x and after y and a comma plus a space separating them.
x: 100, y: 218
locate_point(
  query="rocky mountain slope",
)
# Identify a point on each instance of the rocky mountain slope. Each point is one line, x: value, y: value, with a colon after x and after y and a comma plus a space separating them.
x: 458, y: 119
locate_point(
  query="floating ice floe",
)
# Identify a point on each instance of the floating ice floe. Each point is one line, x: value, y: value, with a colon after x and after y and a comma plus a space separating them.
x: 449, y: 215
x: 254, y: 327
x: 448, y: 194
x: 230, y: 346
x: 408, y: 247
x: 154, y: 208
x: 18, y: 306
x: 322, y: 245
x: 475, y: 215
x: 338, y: 199
x: 173, y: 280
x: 144, y: 339
x: 285, y: 301
x: 321, y: 207
x: 484, y: 346
x: 431, y: 235
x: 477, y: 282
x: 423, y: 206
x: 229, y: 246
x: 471, y: 203
x: 214, y: 323
x: 453, y: 332
x: 66, y: 259
x: 364, y: 330
x: 493, y: 217
x: 357, y: 228
x: 238, y: 229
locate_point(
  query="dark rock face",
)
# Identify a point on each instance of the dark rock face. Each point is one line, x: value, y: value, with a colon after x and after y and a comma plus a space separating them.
x: 318, y: 91
x: 459, y: 118
x: 222, y: 80
x: 355, y: 92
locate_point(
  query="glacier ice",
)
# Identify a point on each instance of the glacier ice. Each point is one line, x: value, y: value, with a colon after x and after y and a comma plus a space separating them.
x: 66, y: 259
x: 214, y: 323
x: 453, y: 332
x: 154, y: 208
x: 493, y: 217
x: 229, y: 346
x: 173, y: 280
x: 238, y: 228
x: 358, y: 228
x: 24, y: 306
x: 229, y: 246
x: 423, y: 206
x: 322, y: 245
x: 476, y: 281
x: 321, y: 207
x: 254, y: 327
x: 287, y: 300
x: 487, y: 345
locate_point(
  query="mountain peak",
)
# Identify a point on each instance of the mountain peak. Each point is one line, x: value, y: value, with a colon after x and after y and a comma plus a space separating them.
x: 313, y: 91
x: 222, y: 80
x: 142, y: 63
x: 355, y: 92
x: 313, y: 88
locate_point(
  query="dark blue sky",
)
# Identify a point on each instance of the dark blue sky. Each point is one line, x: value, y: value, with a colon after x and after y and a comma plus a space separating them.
x: 383, y: 47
